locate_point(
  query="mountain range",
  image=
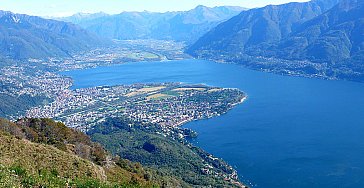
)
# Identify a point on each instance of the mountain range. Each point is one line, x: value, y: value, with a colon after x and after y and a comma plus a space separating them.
x: 326, y: 32
x: 336, y: 35
x: 258, y: 28
x: 185, y: 26
x: 24, y: 37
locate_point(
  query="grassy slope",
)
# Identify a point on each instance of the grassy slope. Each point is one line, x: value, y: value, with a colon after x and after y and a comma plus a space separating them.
x: 23, y: 162
x: 34, y: 157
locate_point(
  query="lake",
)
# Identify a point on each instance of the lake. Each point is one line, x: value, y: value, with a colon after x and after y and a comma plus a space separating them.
x: 291, y: 132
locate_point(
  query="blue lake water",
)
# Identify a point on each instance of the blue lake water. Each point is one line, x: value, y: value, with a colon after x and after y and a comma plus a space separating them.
x: 291, y: 132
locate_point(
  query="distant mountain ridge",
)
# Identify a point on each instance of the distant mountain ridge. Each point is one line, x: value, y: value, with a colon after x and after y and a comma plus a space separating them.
x: 24, y: 37
x: 257, y: 28
x: 323, y: 38
x: 80, y: 17
x: 181, y: 26
x: 334, y: 36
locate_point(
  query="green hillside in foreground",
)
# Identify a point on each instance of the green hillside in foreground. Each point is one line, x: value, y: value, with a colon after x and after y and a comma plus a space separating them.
x: 32, y: 154
x: 45, y: 153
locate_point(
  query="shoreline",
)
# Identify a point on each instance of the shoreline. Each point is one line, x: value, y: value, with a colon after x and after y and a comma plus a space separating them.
x: 232, y: 178
x: 180, y: 125
x: 281, y: 72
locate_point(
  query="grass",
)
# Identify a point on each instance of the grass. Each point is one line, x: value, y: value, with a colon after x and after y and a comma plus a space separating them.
x: 189, y: 88
x: 172, y: 93
x: 17, y: 176
x: 158, y: 96
x: 34, y: 157
x: 133, y: 94
x: 148, y: 55
x: 142, y: 55
x: 144, y: 90
x: 151, y: 89
x: 27, y: 164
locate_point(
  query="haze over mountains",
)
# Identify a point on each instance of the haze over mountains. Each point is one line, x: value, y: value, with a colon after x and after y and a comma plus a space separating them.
x: 185, y: 26
x: 24, y: 36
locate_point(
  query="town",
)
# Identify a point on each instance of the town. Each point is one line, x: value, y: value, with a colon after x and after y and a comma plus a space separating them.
x: 166, y: 104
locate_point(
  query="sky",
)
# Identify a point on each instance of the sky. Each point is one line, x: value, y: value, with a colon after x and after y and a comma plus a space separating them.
x: 60, y: 8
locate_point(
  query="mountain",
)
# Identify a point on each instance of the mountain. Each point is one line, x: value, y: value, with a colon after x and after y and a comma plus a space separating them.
x: 181, y: 26
x: 82, y: 17
x: 24, y: 37
x: 190, y: 25
x: 336, y: 35
x: 256, y: 29
x: 127, y: 25
x: 321, y: 38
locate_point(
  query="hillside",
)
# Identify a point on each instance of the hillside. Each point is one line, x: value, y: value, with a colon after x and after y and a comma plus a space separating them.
x: 24, y: 37
x: 12, y: 105
x: 320, y: 38
x: 336, y: 35
x: 166, y: 151
x: 257, y: 28
x: 41, y: 152
x: 181, y: 26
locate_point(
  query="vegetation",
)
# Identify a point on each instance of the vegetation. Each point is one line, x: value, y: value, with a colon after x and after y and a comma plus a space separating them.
x: 16, y: 176
x: 26, y: 37
x: 143, y: 144
x: 255, y: 29
x: 319, y: 37
x: 11, y: 105
x: 44, y: 153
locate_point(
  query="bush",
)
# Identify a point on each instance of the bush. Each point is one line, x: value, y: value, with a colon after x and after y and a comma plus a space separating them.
x: 18, y: 170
